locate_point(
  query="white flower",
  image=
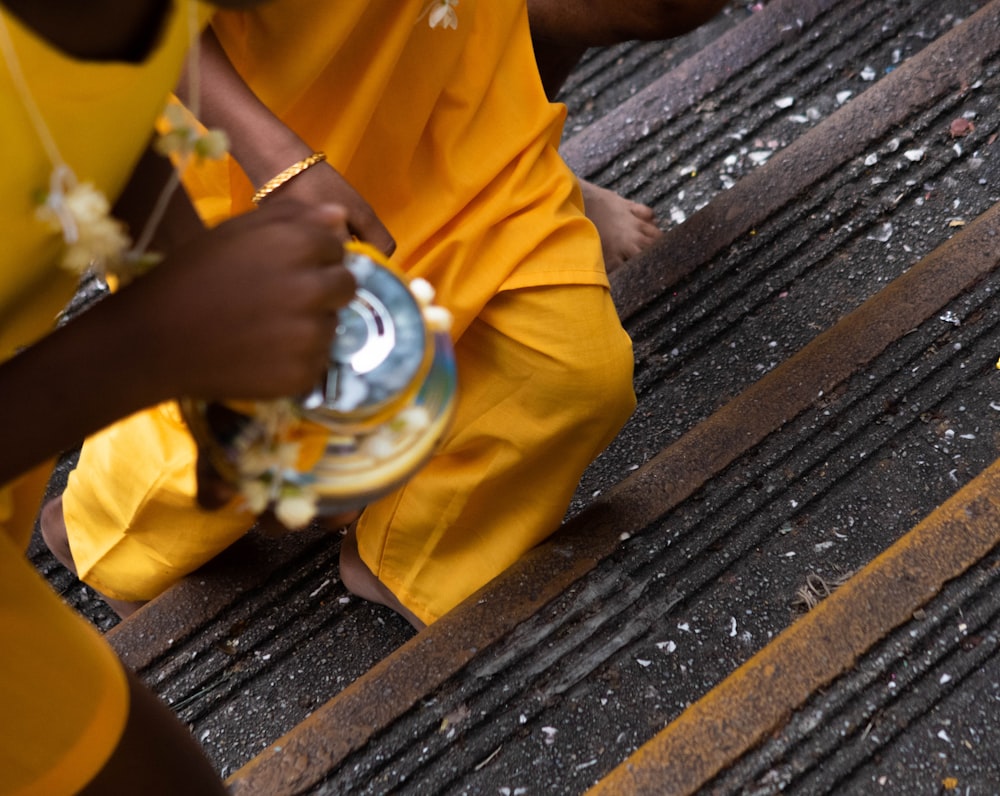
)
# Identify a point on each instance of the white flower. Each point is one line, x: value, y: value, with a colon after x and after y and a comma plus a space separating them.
x: 256, y: 460
x: 296, y: 508
x: 185, y: 138
x: 212, y: 145
x: 411, y: 420
x: 386, y: 440
x: 380, y: 444
x: 87, y: 204
x: 423, y: 291
x: 442, y: 14
x: 102, y: 244
x: 438, y: 319
x: 268, y: 456
x: 275, y: 417
x: 82, y: 215
x: 256, y: 494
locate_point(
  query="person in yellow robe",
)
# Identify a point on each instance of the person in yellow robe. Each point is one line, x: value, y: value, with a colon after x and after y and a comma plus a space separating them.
x: 561, y: 32
x: 445, y: 131
x: 80, y: 88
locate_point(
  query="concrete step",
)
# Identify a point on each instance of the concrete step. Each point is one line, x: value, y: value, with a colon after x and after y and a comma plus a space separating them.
x: 816, y: 337
x: 828, y: 705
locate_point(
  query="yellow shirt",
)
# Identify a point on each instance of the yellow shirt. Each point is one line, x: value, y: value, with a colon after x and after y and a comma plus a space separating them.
x: 101, y: 115
x: 63, y: 695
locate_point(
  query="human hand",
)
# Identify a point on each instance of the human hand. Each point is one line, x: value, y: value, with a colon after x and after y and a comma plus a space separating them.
x: 264, y: 145
x: 323, y: 184
x: 248, y: 309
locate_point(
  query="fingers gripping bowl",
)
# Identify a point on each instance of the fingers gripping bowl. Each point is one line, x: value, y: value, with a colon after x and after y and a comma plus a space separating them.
x: 385, y: 403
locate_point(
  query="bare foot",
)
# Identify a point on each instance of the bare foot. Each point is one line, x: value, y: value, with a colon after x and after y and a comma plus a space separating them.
x: 361, y: 582
x: 53, y: 527
x: 626, y: 227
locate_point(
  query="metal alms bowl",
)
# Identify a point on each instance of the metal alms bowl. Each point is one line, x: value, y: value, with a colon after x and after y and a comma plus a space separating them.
x: 385, y: 402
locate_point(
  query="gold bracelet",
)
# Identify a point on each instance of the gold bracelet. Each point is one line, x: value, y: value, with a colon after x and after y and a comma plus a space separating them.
x: 292, y: 171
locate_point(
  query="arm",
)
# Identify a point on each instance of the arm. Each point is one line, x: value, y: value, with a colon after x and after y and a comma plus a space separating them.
x: 599, y: 23
x: 562, y: 30
x: 179, y: 224
x: 263, y: 145
x: 246, y: 310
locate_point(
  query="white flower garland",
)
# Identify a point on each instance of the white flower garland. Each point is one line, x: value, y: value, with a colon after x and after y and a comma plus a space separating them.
x: 441, y: 14
x: 95, y: 241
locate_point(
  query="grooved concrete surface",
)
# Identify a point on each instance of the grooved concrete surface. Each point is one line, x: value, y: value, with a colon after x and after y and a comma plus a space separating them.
x: 816, y: 343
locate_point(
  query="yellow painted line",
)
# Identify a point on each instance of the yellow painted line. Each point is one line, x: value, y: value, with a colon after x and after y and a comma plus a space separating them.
x: 759, y: 696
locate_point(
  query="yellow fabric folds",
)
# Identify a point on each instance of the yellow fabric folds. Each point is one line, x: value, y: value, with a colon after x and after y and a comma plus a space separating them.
x: 448, y: 135
x: 63, y: 694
